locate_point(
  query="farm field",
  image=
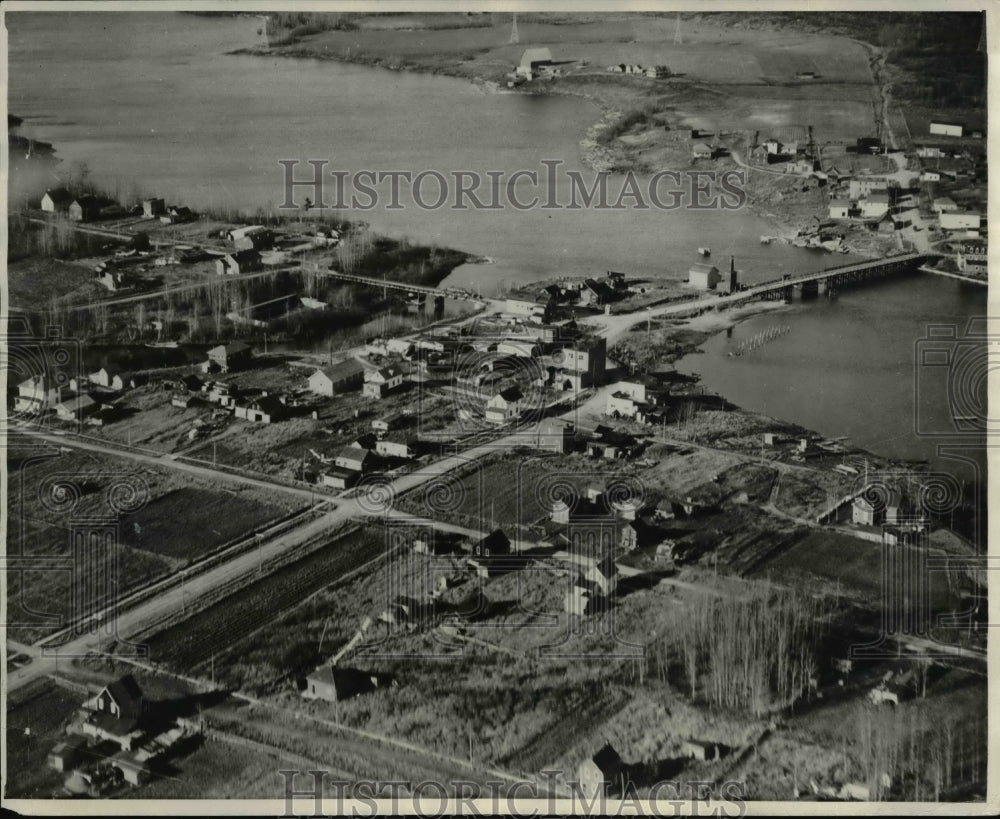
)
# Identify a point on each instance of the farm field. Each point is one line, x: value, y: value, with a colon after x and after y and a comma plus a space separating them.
x: 164, y: 519
x: 227, y: 630
x: 499, y: 493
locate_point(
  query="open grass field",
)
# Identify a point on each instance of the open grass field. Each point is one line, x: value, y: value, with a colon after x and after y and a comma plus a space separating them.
x: 220, y: 770
x: 34, y: 282
x: 42, y: 709
x: 833, y: 560
x: 150, y: 421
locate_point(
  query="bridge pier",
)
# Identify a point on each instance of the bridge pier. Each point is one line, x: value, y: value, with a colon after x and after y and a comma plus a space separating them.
x: 810, y: 290
x: 438, y: 306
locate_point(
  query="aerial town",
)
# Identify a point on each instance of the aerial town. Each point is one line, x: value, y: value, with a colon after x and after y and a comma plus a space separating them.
x: 290, y: 490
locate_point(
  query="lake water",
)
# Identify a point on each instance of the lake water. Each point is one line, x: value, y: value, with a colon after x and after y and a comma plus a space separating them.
x: 152, y: 100
x: 848, y: 366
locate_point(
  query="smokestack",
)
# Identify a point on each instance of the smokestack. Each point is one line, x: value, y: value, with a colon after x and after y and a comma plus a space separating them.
x: 732, y: 274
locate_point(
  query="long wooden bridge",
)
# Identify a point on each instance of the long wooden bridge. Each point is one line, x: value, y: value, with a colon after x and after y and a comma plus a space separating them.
x: 832, y: 277
x: 414, y: 290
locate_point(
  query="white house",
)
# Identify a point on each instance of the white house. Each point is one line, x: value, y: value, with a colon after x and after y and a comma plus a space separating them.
x: 863, y: 512
x: 704, y: 276
x: 875, y: 206
x: 34, y: 395
x: 968, y: 222
x: 866, y: 185
x: 338, y: 377
x: 353, y: 458
x: 504, y: 406
x: 839, y: 208
x: 621, y: 405
x: 57, y: 200
x: 944, y: 204
x: 632, y: 388
x: 382, y: 381
x: 394, y: 445
x: 76, y: 409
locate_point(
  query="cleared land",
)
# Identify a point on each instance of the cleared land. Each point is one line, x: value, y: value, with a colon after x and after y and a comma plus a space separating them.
x: 164, y: 520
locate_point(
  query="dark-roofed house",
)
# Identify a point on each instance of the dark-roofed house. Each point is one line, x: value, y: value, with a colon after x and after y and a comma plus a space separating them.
x: 115, y: 713
x: 235, y: 355
x: 495, y: 543
x: 339, y: 377
x: 121, y: 698
x: 263, y: 410
x: 354, y: 458
x: 395, y: 445
x: 601, y: 773
x: 488, y: 554
x: 84, y: 208
x: 242, y: 261
x: 57, y: 200
x: 151, y: 208
x: 339, y: 478
x: 335, y: 684
x: 594, y: 292
x: 504, y: 406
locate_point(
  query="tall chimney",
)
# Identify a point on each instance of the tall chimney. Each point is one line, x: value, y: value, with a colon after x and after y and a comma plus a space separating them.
x: 732, y: 274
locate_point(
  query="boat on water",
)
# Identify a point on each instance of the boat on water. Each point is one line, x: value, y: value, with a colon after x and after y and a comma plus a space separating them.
x: 167, y: 344
x: 705, y: 251
x: 766, y: 240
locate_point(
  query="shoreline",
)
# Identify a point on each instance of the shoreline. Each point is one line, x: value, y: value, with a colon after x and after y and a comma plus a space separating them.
x: 594, y: 155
